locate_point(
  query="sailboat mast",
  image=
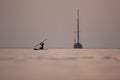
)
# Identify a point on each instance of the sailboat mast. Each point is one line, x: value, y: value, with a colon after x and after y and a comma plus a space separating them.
x: 78, y: 26
x: 77, y: 44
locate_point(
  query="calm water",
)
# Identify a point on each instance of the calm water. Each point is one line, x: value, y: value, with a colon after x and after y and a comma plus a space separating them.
x: 60, y: 64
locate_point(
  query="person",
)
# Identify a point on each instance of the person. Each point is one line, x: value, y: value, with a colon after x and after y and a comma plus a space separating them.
x: 42, y: 45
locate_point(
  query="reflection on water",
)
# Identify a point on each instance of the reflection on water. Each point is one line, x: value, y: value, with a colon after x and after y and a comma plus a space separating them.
x: 40, y: 58
x: 64, y: 58
x: 107, y: 57
x: 85, y: 57
x: 6, y: 58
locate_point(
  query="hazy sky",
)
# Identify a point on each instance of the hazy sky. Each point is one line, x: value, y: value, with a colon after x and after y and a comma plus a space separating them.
x: 24, y: 23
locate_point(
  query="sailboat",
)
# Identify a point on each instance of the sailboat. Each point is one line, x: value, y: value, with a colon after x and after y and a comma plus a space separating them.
x: 77, y: 44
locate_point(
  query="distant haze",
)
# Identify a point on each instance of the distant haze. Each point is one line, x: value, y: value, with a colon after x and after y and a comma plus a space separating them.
x: 25, y: 23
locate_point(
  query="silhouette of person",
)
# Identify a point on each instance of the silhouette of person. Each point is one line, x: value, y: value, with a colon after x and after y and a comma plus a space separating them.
x: 42, y: 45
